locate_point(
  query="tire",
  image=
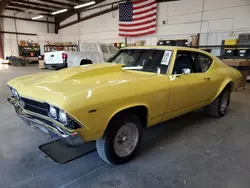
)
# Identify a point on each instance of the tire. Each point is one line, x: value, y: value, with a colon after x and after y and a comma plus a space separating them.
x: 218, y: 108
x: 113, y: 146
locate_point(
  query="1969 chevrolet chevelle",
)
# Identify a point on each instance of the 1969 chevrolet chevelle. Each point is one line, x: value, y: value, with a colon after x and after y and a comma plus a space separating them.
x: 112, y: 102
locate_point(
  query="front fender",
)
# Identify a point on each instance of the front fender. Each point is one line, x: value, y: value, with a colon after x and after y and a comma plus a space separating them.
x: 125, y: 107
x: 96, y: 123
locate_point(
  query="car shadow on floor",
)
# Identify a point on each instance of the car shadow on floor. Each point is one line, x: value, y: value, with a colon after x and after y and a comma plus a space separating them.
x: 173, y: 130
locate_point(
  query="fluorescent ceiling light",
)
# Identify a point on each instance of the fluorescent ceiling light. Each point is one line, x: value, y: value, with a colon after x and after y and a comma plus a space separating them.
x: 85, y: 4
x: 59, y: 11
x: 37, y: 17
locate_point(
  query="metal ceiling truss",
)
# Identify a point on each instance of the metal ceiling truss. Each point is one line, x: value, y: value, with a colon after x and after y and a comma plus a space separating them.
x: 42, y: 5
x: 26, y: 19
x: 68, y: 14
x: 31, y: 7
x: 25, y: 11
x: 3, y: 5
x: 59, y: 3
x: 46, y: 7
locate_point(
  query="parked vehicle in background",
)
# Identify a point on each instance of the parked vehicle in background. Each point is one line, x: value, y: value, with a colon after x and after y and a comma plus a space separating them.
x: 90, y: 53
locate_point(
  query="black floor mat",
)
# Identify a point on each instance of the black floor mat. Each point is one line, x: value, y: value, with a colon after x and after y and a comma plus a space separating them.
x: 62, y: 153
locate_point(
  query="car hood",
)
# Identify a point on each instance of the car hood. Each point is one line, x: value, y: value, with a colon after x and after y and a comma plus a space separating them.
x: 57, y: 86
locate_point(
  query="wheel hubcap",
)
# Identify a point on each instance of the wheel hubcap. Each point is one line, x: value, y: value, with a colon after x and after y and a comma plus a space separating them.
x: 224, y: 102
x: 126, y: 140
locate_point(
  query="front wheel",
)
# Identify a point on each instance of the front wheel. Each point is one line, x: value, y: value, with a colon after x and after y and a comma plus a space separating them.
x: 121, y: 140
x: 219, y: 107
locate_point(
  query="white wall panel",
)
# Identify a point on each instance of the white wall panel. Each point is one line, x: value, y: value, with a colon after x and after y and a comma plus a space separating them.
x: 25, y: 15
x: 86, y: 13
x: 184, y: 7
x: 10, y: 40
x: 23, y: 26
x: 220, y: 4
x: 70, y: 19
x: 220, y: 18
x: 180, y: 19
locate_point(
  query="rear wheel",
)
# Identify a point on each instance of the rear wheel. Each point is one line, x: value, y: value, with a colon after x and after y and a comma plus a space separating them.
x: 219, y: 107
x: 121, y: 140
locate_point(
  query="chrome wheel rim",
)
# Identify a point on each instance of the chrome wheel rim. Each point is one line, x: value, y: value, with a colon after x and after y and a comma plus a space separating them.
x: 126, y: 140
x: 224, y: 102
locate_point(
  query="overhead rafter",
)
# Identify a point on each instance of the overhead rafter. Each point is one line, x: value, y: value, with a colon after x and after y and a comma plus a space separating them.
x: 90, y: 16
x: 27, y: 2
x: 65, y: 15
x: 68, y: 14
x: 77, y: 1
x: 18, y: 33
x: 26, y: 19
x: 57, y: 3
x: 31, y: 7
x: 71, y: 12
x: 20, y: 10
x: 3, y: 5
x: 14, y: 9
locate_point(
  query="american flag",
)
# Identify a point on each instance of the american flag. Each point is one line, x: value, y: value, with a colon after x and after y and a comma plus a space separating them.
x: 137, y: 18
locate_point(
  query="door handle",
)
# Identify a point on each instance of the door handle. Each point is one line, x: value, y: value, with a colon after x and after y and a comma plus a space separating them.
x: 207, y: 78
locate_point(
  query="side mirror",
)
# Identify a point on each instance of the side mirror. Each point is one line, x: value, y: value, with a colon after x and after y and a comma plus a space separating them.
x: 186, y: 71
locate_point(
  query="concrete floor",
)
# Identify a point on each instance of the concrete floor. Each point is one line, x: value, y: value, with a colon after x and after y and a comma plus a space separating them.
x: 191, y: 151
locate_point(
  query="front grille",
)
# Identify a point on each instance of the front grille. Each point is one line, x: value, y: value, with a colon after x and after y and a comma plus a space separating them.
x: 34, y: 106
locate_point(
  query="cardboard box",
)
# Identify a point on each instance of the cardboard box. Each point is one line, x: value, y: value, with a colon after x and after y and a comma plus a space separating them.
x: 140, y: 43
x: 237, y: 62
x: 195, y: 40
x: 23, y: 43
x: 130, y: 44
x: 41, y: 64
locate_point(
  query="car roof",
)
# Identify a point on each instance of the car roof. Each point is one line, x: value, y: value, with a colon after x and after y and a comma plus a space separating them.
x: 168, y: 48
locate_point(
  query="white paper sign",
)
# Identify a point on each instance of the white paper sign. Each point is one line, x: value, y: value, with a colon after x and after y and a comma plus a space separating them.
x: 166, y: 57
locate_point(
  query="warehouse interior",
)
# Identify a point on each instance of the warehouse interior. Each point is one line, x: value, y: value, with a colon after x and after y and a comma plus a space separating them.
x: 192, y: 150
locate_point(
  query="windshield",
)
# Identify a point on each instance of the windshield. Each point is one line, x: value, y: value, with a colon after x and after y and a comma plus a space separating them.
x: 146, y: 60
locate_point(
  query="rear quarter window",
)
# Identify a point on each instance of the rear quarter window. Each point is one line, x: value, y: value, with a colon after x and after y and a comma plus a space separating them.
x: 113, y: 50
x: 205, y: 62
x: 104, y: 49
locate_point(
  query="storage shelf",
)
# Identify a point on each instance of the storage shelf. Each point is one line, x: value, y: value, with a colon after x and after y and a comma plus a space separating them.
x: 29, y: 51
x: 51, y: 48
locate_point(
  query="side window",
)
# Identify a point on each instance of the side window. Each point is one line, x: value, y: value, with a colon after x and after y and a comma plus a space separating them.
x: 112, y: 50
x: 204, y: 62
x: 129, y: 58
x: 195, y: 58
x: 155, y: 65
x: 104, y: 49
x: 145, y: 57
x: 185, y: 60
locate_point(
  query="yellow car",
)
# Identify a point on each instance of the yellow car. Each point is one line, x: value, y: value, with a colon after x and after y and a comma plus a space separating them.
x: 112, y: 102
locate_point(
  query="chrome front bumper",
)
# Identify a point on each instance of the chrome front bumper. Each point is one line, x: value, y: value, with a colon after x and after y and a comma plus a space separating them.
x: 45, y: 124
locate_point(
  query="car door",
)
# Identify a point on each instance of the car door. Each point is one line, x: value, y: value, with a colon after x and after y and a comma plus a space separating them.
x: 187, y: 88
x: 196, y: 80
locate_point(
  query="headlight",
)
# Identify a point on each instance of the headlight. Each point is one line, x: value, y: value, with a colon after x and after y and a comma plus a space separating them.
x: 14, y: 93
x: 53, y: 112
x: 63, y: 117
